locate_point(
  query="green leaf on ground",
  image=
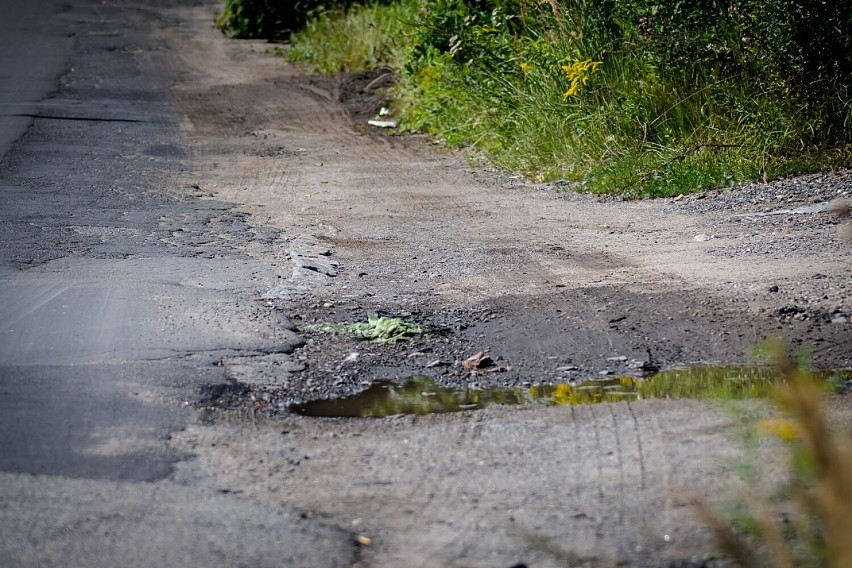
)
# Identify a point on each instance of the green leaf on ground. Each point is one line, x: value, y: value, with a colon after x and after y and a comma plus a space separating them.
x: 381, y: 329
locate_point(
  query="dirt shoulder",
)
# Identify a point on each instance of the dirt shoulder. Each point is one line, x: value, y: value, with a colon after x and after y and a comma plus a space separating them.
x: 558, y: 286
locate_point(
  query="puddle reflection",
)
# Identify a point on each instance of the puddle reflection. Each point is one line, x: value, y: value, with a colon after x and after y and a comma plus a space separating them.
x: 421, y: 395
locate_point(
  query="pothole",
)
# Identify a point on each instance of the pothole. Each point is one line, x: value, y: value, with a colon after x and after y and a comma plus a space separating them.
x: 422, y: 395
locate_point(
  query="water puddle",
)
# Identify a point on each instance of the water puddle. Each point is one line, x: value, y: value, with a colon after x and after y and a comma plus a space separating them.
x: 421, y: 395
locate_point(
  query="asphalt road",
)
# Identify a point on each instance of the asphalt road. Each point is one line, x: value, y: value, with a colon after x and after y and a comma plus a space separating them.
x: 129, y: 290
x: 120, y: 293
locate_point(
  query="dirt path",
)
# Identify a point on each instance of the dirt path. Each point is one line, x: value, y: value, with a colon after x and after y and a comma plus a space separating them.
x: 559, y: 286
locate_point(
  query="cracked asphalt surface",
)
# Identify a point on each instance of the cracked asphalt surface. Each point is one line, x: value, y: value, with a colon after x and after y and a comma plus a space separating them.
x: 178, y: 206
x: 120, y: 295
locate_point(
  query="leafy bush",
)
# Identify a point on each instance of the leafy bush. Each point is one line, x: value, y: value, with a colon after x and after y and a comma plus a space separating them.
x: 251, y: 18
x: 796, y: 50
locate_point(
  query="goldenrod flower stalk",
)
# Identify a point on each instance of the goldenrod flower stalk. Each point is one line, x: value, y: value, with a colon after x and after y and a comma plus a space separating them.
x: 578, y: 73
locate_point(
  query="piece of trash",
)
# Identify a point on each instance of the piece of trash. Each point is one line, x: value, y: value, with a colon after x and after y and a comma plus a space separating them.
x: 383, y: 123
x: 383, y: 111
x: 352, y: 357
x: 478, y: 361
x: 364, y: 540
x: 436, y: 363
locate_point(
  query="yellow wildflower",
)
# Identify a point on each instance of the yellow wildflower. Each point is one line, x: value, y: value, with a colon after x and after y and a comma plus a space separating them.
x: 526, y: 67
x: 578, y: 74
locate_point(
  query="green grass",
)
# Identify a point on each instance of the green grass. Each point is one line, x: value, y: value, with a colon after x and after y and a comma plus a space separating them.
x: 619, y: 135
x: 355, y: 39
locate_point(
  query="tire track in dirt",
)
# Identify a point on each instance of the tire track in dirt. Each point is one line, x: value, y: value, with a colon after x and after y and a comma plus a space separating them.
x: 490, y: 488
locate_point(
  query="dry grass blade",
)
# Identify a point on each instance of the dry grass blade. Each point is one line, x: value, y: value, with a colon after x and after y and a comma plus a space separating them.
x: 780, y: 553
x: 832, y: 464
x: 552, y: 549
x: 728, y: 541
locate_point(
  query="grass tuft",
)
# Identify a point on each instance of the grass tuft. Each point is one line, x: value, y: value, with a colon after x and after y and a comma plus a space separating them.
x: 357, y: 38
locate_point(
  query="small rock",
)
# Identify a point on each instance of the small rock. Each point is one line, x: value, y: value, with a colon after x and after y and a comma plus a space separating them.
x: 352, y: 357
x: 702, y: 238
x: 436, y: 363
x: 605, y: 373
x: 618, y: 358
x: 773, y: 288
x: 478, y: 361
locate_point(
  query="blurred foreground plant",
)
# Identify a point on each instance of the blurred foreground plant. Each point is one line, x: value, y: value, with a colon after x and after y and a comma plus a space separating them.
x: 817, y: 533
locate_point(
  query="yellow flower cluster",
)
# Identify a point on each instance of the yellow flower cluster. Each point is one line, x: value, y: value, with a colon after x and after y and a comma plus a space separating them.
x: 578, y: 73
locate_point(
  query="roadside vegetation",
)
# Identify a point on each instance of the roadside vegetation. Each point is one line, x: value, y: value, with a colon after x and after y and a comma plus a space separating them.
x: 806, y: 523
x: 634, y: 97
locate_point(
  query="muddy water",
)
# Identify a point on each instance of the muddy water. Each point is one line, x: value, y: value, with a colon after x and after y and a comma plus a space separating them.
x: 421, y: 395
